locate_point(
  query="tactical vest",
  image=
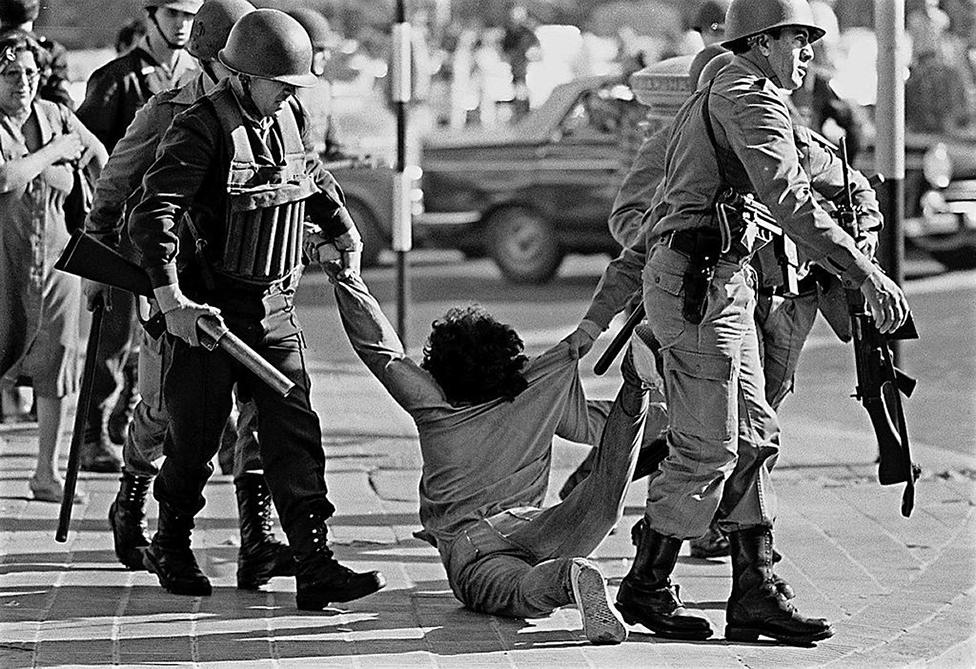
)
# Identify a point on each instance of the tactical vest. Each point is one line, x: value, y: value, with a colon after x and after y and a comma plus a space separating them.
x: 265, y: 203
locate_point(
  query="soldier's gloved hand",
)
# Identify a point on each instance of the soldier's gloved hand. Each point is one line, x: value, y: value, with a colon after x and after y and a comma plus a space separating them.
x: 181, y: 313
x: 93, y: 290
x: 350, y: 245
x: 885, y: 299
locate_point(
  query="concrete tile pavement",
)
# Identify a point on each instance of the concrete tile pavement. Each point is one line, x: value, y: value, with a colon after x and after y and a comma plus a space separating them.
x: 901, y: 592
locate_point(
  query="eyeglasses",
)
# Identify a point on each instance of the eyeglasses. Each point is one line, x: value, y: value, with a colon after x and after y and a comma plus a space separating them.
x: 14, y: 76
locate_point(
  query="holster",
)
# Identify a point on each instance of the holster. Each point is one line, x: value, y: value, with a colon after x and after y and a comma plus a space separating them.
x: 703, y: 248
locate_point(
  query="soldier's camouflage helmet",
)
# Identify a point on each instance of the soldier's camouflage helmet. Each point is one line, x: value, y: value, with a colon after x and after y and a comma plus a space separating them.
x: 269, y: 44
x: 212, y: 25
x: 746, y: 18
x: 188, y: 6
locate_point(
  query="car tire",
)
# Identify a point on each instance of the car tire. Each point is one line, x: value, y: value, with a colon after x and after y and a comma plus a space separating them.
x: 963, y: 257
x: 368, y: 226
x: 524, y: 246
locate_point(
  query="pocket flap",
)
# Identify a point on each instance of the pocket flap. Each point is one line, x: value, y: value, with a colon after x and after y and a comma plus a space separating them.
x: 669, y: 283
x: 700, y: 365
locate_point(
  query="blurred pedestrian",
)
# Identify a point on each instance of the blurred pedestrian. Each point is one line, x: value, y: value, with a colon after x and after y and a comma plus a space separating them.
x: 21, y: 14
x: 115, y: 91
x: 519, y: 45
x: 41, y: 143
x: 129, y: 35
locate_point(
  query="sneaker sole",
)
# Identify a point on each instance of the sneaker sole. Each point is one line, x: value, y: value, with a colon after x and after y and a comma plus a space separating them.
x: 601, y: 622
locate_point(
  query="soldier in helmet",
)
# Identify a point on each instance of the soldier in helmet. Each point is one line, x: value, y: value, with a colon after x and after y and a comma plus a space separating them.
x: 114, y: 93
x: 235, y: 164
x: 699, y: 293
x: 260, y: 556
x: 317, y: 99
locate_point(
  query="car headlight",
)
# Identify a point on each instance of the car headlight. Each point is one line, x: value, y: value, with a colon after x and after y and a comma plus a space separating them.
x: 937, y: 166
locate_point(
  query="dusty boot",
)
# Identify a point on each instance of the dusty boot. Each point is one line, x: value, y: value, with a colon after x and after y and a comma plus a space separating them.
x: 756, y: 606
x: 321, y: 579
x: 121, y: 415
x: 127, y: 516
x: 647, y: 596
x: 261, y: 556
x: 712, y: 544
x: 170, y: 558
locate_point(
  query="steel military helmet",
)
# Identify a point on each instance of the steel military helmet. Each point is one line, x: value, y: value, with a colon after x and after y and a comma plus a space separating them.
x: 188, y: 6
x: 746, y: 18
x: 212, y: 25
x: 316, y: 25
x: 711, y: 15
x: 269, y: 44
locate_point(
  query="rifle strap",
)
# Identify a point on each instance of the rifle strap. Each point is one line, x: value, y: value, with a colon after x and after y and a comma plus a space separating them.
x: 200, y: 246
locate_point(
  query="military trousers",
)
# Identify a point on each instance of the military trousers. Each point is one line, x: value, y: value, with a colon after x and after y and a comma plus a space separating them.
x: 197, y: 393
x: 723, y: 436
x: 784, y: 325
x: 144, y: 440
x: 517, y: 563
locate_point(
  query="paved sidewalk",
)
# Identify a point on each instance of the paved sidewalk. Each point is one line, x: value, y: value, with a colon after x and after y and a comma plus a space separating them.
x: 899, y: 591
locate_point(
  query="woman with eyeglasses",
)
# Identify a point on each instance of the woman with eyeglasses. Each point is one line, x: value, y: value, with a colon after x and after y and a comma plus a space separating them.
x: 41, y: 144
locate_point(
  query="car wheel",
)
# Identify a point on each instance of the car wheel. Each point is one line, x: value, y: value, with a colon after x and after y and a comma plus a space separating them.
x: 524, y: 246
x: 366, y: 223
x: 963, y: 257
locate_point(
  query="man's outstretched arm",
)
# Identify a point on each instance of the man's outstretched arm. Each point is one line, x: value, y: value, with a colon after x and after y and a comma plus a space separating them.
x: 376, y: 343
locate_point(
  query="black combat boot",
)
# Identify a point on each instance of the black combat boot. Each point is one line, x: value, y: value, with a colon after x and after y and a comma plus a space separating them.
x: 647, y: 596
x: 261, y: 556
x: 121, y: 414
x: 127, y: 516
x: 170, y: 558
x: 757, y: 606
x: 321, y: 579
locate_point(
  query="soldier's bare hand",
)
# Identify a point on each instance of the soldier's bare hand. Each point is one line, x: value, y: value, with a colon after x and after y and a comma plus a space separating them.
x: 94, y: 290
x: 580, y: 342
x: 886, y: 300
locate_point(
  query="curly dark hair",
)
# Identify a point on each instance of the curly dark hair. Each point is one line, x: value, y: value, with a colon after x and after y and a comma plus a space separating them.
x: 475, y: 358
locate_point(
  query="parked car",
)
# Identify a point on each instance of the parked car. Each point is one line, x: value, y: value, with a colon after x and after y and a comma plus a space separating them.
x: 528, y: 194
x: 945, y: 225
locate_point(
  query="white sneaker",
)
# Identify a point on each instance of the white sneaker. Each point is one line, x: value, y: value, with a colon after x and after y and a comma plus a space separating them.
x: 601, y: 622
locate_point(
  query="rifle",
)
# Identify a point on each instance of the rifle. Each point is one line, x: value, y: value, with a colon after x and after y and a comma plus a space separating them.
x: 879, y: 383
x: 78, y: 430
x: 88, y: 258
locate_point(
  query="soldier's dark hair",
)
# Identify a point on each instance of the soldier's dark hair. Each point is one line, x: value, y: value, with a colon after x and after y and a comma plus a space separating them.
x: 744, y: 44
x: 18, y: 12
x: 474, y: 358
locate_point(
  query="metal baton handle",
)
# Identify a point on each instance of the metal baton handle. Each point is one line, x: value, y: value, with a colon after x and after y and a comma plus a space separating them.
x: 244, y: 354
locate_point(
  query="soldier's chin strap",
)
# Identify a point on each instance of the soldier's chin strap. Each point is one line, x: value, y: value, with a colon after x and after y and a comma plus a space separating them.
x: 172, y: 45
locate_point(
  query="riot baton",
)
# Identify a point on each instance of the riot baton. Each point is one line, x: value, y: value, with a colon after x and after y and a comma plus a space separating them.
x: 618, y: 342
x: 81, y: 413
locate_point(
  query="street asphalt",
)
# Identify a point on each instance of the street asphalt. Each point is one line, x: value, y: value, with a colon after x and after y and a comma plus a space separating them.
x: 901, y: 592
